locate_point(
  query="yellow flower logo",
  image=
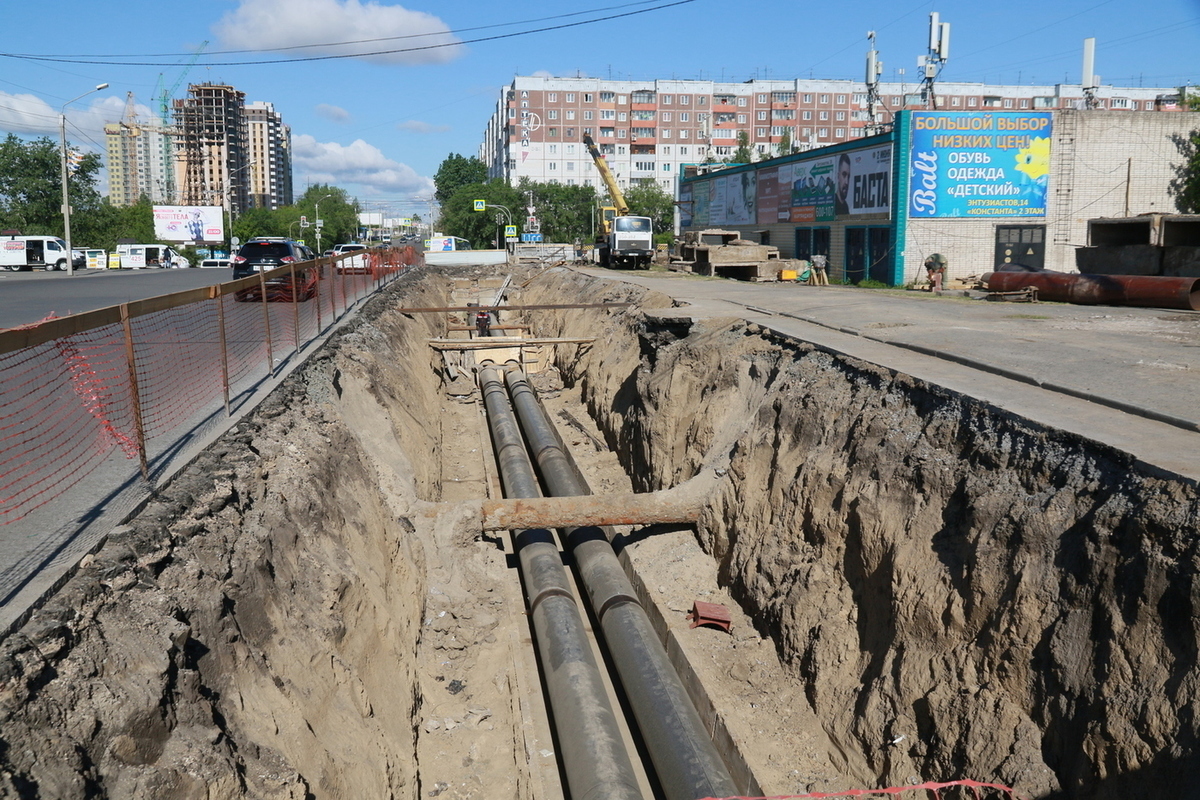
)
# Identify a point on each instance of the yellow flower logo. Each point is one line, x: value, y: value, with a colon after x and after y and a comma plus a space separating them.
x: 1034, y: 160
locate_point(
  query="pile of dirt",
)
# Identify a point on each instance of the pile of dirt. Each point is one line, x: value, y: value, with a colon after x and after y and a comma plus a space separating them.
x: 963, y: 593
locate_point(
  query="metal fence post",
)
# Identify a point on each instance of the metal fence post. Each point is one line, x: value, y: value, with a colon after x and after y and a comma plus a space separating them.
x: 295, y: 307
x: 139, y: 430
x: 262, y: 287
x: 216, y: 295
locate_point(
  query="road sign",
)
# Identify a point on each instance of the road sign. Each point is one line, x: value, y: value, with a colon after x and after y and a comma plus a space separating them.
x: 531, y: 237
x: 510, y: 230
x: 481, y: 205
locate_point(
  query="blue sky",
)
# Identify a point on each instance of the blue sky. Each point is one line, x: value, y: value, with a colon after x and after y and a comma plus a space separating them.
x: 379, y: 125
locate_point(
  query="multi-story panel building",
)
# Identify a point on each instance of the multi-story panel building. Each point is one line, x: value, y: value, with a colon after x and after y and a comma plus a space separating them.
x: 141, y: 162
x: 213, y: 147
x: 649, y: 129
x: 270, y: 171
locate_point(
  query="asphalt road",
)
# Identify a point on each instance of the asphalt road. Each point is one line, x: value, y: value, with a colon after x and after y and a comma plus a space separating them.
x: 28, y: 297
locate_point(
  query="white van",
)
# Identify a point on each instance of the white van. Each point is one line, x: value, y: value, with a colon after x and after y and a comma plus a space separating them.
x: 28, y: 252
x: 150, y: 256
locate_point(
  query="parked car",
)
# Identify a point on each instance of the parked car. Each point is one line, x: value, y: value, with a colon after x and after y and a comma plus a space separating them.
x: 78, y: 259
x: 351, y: 259
x: 217, y: 263
x: 264, y: 254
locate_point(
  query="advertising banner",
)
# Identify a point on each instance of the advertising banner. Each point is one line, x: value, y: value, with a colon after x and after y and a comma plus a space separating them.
x: 686, y: 212
x: 740, y: 198
x: 864, y: 182
x: 768, y: 196
x: 976, y: 164
x: 189, y: 223
x: 700, y: 195
x: 716, y: 201
x: 812, y: 190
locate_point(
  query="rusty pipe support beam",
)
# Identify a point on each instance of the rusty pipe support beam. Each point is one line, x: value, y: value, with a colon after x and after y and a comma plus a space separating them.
x: 1146, y: 291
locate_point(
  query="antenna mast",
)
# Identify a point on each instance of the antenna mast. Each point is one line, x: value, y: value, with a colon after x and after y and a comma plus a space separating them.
x: 939, y: 52
x: 1090, y: 80
x: 874, y: 70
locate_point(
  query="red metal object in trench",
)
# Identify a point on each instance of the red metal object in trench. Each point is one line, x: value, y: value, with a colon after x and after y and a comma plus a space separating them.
x: 1148, y: 291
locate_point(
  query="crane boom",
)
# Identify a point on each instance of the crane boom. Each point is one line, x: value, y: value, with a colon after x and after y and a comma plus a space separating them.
x: 606, y: 175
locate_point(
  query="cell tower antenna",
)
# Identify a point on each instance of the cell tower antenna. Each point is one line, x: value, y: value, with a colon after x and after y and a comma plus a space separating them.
x: 1090, y: 80
x: 874, y: 70
x: 931, y: 63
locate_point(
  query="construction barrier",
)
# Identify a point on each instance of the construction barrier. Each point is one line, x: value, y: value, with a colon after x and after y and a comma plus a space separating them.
x: 140, y: 377
x: 937, y: 790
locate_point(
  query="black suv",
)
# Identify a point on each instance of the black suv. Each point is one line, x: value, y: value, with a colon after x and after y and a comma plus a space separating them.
x: 261, y: 254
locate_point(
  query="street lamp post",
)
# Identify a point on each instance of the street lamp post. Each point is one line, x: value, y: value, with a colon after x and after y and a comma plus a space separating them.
x: 229, y: 198
x: 317, y: 221
x: 66, y: 202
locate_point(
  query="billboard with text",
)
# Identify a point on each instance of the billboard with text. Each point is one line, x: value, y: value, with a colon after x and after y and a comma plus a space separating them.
x: 189, y: 223
x: 977, y: 164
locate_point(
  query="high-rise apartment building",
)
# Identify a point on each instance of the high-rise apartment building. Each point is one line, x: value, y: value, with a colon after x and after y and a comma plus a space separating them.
x: 141, y: 162
x: 270, y: 171
x: 648, y: 130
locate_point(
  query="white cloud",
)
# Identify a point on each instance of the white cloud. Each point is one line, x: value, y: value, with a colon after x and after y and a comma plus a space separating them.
x: 28, y: 115
x: 332, y: 113
x: 541, y: 73
x: 358, y: 163
x: 417, y: 126
x: 266, y: 24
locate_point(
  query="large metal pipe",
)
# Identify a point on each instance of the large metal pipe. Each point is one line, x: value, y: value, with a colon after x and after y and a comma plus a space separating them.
x: 594, y: 758
x: 1149, y: 291
x: 685, y: 759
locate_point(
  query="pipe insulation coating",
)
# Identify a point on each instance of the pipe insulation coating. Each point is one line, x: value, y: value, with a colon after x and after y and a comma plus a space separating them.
x: 594, y: 757
x: 685, y: 759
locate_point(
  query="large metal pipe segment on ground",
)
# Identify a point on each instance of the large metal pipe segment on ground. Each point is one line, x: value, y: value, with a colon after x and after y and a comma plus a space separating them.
x: 594, y: 758
x: 1147, y: 291
x: 686, y: 761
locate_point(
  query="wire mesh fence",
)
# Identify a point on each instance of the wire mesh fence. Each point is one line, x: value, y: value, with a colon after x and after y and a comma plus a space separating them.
x: 136, y: 378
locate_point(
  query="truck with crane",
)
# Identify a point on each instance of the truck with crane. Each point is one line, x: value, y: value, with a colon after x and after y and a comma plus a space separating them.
x: 622, y: 239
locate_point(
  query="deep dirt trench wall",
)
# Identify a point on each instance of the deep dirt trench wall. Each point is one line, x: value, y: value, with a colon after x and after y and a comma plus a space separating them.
x: 964, y: 593
x: 253, y: 632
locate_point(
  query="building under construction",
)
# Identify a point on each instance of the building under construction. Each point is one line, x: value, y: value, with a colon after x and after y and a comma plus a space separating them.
x: 213, y: 147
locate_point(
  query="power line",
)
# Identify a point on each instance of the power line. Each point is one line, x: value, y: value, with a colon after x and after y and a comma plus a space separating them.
x: 64, y: 60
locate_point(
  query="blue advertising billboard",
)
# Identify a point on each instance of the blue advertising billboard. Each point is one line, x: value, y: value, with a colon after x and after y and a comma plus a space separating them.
x: 979, y: 164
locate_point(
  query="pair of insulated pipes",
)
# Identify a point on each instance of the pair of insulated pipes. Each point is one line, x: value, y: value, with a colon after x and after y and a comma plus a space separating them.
x: 595, y: 761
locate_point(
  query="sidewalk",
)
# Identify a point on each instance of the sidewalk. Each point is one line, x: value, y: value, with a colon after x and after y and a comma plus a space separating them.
x: 1128, y: 377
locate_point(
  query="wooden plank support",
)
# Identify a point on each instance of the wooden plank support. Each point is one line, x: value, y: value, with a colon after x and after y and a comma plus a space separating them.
x: 499, y: 343
x: 510, y: 308
x: 651, y: 508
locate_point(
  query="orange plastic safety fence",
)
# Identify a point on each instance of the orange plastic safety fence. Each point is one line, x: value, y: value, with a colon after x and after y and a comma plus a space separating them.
x: 65, y: 406
x: 68, y: 404
x: 939, y: 790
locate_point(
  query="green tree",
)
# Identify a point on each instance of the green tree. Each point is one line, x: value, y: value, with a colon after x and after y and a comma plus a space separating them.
x: 1186, y: 183
x: 31, y: 186
x: 480, y: 228
x: 785, y: 142
x: 743, y: 154
x: 455, y: 172
x: 650, y: 200
x: 565, y: 212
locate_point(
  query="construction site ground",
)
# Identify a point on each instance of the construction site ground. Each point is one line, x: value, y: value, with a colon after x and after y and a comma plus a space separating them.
x: 956, y: 539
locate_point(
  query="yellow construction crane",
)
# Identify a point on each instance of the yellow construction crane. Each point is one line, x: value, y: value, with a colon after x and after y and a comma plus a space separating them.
x: 621, y: 238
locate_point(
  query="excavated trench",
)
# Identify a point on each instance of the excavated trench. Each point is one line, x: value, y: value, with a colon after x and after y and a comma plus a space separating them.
x: 923, y: 587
